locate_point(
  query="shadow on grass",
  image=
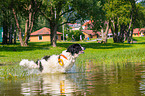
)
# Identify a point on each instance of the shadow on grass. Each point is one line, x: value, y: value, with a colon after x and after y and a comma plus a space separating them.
x: 30, y: 47
x: 46, y: 46
x: 98, y: 45
x: 2, y: 56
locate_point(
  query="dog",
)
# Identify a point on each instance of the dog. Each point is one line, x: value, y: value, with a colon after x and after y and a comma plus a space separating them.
x: 56, y: 63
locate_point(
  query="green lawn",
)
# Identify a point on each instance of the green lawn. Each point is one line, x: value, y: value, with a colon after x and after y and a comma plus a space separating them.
x: 98, y: 53
x: 95, y: 53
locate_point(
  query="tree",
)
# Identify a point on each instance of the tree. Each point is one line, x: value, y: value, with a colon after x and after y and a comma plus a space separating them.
x: 75, y: 35
x: 122, y: 15
x: 117, y: 12
x: 53, y: 11
x: 72, y: 10
x: 93, y: 10
x: 140, y: 20
x: 28, y: 10
x: 7, y: 22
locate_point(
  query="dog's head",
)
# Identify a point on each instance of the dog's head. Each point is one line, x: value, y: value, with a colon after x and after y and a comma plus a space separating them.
x: 75, y: 49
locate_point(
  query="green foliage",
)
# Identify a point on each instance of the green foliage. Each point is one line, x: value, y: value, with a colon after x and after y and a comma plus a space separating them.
x: 140, y: 21
x: 40, y: 23
x: 75, y: 35
x: 60, y: 12
x: 118, y: 9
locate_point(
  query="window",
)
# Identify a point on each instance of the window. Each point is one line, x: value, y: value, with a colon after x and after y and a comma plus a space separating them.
x: 40, y: 37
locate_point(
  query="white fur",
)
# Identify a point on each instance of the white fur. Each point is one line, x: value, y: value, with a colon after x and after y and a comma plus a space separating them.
x: 28, y: 64
x: 52, y: 65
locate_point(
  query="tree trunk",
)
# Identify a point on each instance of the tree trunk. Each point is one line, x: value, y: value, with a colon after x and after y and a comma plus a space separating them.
x: 19, y: 29
x: 114, y: 32
x: 5, y: 32
x: 115, y: 38
x: 128, y: 37
x: 28, y: 28
x: 15, y: 35
x: 122, y: 32
x: 134, y: 16
x: 26, y: 33
x: 102, y: 32
x: 53, y: 35
x: 114, y: 35
x: 31, y: 20
x: 10, y: 34
x: 106, y: 32
x: 128, y: 31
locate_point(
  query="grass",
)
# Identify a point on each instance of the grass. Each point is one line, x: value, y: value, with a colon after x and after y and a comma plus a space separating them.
x: 95, y: 53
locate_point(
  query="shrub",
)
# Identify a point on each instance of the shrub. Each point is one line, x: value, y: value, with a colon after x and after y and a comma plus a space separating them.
x: 75, y: 35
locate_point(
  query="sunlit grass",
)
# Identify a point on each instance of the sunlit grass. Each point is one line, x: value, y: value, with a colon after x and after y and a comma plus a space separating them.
x: 95, y: 53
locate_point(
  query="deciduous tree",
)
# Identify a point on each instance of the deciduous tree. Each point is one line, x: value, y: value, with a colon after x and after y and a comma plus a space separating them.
x: 7, y: 21
x: 28, y: 10
x: 54, y: 10
x: 123, y: 15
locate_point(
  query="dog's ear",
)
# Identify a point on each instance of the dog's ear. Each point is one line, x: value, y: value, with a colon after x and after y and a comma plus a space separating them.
x: 71, y: 50
x: 75, y: 48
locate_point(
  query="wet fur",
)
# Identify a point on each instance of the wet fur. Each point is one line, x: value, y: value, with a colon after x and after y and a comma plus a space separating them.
x: 50, y: 64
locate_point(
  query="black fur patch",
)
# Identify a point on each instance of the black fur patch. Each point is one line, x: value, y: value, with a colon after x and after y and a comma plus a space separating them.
x: 75, y: 48
x: 46, y: 57
x: 37, y: 61
x: 40, y: 67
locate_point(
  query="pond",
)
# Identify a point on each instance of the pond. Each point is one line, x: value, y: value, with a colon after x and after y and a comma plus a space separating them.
x: 92, y: 80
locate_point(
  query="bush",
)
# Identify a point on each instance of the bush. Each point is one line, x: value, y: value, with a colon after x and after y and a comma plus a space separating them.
x: 75, y: 35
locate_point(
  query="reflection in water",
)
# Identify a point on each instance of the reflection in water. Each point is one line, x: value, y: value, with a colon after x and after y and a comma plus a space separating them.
x: 52, y: 84
x: 55, y: 84
x: 140, y: 73
x: 93, y: 80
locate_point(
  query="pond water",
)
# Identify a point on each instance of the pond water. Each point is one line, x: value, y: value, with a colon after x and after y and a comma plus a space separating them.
x: 91, y: 80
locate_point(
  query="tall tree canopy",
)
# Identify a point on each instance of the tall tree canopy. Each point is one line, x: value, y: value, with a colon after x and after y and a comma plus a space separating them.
x: 72, y: 10
x: 54, y: 10
x: 28, y: 11
x: 6, y: 20
x: 120, y: 16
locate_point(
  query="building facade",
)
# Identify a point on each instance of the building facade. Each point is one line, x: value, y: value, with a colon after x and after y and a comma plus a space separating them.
x: 43, y: 35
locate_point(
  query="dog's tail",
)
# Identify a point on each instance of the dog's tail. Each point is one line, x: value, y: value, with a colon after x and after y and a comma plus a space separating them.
x: 28, y: 64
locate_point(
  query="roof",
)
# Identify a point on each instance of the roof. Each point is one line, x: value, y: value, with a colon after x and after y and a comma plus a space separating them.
x: 142, y: 29
x: 90, y: 32
x: 43, y: 31
x: 136, y: 30
x: 86, y: 23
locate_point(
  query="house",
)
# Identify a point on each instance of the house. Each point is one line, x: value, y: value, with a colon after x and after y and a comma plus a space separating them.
x: 74, y: 26
x: 87, y: 25
x: 42, y: 35
x: 91, y: 34
x: 142, y: 32
x: 138, y: 32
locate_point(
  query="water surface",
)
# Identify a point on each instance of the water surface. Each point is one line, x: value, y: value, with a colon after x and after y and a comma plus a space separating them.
x: 91, y: 80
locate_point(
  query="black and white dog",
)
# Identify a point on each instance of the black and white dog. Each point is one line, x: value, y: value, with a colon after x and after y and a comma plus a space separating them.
x: 56, y: 63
